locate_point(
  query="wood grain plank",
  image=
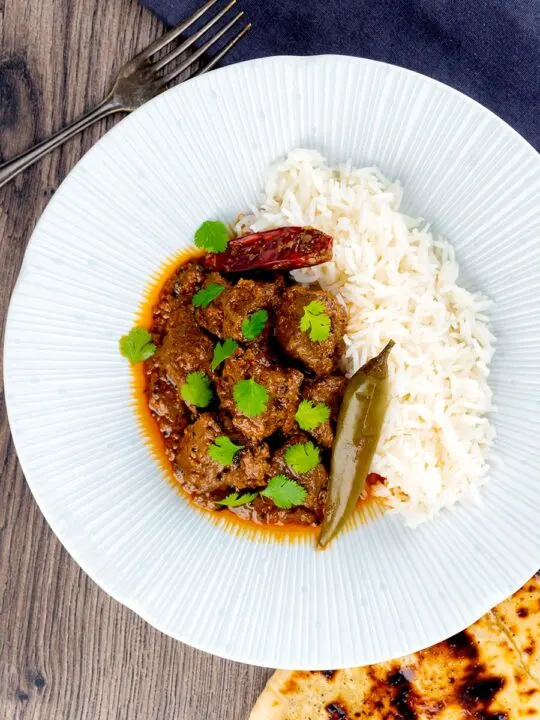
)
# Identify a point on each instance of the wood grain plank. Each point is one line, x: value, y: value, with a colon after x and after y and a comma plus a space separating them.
x: 67, y: 650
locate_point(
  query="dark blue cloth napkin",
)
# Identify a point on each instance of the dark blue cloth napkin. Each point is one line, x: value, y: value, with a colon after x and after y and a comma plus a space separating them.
x: 488, y: 49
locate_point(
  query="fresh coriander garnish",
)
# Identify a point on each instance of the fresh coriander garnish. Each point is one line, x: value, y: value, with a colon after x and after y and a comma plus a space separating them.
x: 223, y: 450
x: 137, y: 345
x: 207, y: 294
x: 212, y: 236
x: 316, y: 321
x: 253, y: 325
x: 284, y: 492
x: 196, y: 390
x: 309, y: 416
x: 250, y: 397
x: 302, y: 457
x: 222, y: 351
x: 234, y: 499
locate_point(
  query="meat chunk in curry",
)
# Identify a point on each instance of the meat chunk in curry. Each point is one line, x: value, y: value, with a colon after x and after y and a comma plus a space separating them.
x: 314, y: 481
x: 185, y: 348
x: 167, y: 407
x: 199, y: 473
x: 211, y: 316
x: 177, y: 292
x: 225, y: 316
x: 282, y: 385
x: 330, y: 391
x: 320, y: 357
x: 203, y: 475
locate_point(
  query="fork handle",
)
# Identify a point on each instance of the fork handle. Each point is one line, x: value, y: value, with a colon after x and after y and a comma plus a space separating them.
x: 13, y: 167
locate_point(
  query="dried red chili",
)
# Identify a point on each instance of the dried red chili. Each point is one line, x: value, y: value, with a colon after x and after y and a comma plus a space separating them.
x: 286, y: 248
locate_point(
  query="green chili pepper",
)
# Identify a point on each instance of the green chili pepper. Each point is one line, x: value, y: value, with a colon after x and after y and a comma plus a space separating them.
x: 359, y: 426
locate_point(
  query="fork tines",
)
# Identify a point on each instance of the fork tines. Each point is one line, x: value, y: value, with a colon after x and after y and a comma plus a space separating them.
x: 162, y: 42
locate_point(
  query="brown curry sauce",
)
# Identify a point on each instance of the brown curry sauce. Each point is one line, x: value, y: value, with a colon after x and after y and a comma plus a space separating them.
x: 367, y: 509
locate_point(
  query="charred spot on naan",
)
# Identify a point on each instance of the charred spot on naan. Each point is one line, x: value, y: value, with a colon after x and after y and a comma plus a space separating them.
x: 293, y: 682
x: 477, y: 696
x: 462, y: 645
x: 530, y: 649
x: 405, y: 700
x: 336, y: 711
x: 329, y: 674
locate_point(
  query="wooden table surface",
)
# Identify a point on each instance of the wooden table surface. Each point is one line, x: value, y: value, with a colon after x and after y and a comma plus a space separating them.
x: 67, y: 650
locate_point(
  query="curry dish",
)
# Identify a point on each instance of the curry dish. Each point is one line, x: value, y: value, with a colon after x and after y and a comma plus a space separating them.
x: 244, y: 382
x: 281, y: 358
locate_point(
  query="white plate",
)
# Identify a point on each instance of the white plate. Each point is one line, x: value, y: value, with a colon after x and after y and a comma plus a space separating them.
x: 201, y: 151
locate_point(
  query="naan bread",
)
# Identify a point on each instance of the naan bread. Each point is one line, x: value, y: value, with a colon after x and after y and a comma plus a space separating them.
x: 491, y: 671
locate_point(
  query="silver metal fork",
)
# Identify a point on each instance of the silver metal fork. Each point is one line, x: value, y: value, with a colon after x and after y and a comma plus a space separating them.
x: 141, y: 79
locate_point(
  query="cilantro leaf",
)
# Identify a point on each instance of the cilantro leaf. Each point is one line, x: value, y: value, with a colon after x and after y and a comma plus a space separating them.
x: 222, y: 351
x: 302, y: 457
x: 207, y: 294
x: 212, y: 236
x: 137, y: 345
x: 316, y: 321
x: 250, y: 397
x: 253, y: 325
x: 284, y: 492
x: 234, y: 499
x: 196, y: 390
x: 223, y: 450
x: 309, y: 416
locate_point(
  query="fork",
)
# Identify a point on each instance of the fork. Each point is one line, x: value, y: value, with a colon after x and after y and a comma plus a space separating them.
x: 141, y: 79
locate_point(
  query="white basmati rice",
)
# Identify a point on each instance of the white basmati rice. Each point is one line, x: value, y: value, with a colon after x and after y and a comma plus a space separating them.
x: 398, y: 283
